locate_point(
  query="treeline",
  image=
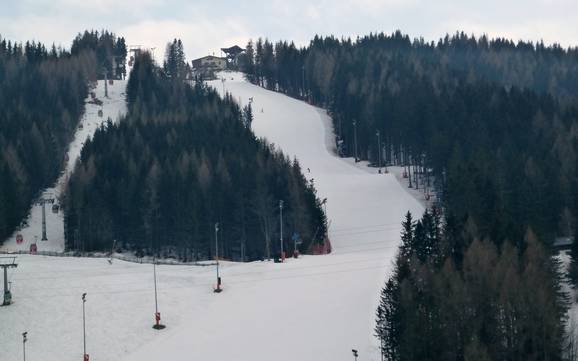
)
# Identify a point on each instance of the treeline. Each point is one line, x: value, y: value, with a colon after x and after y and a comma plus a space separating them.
x: 182, y: 160
x: 175, y: 64
x: 110, y: 51
x: 454, y: 297
x: 310, y: 70
x: 42, y: 94
x: 492, y: 122
x: 491, y: 127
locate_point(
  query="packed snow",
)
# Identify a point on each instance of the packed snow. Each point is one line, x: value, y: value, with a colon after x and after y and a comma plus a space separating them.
x: 113, y: 107
x: 311, y: 308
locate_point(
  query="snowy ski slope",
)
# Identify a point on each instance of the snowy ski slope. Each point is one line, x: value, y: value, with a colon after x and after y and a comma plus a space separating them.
x: 112, y: 107
x: 312, y: 308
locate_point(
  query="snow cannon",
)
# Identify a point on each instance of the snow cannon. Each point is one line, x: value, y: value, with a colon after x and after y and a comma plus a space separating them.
x: 157, y: 325
x: 218, y: 289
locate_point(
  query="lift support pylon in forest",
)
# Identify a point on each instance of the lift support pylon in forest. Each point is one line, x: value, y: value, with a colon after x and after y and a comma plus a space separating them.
x: 5, y: 263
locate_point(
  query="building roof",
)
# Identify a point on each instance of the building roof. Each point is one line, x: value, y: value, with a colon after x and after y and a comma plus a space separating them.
x: 233, y: 50
x: 208, y: 57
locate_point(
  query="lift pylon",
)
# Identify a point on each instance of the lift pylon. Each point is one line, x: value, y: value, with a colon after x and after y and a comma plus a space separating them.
x: 5, y: 263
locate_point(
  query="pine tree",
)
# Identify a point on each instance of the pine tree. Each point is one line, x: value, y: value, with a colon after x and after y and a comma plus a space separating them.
x: 248, y: 115
x: 407, y: 236
x: 388, y: 321
x: 248, y: 62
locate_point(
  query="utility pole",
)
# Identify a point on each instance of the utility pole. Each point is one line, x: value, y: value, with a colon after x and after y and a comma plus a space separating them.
x: 281, y: 229
x: 24, y: 339
x: 155, y: 281
x: 85, y: 355
x: 355, y: 139
x: 218, y: 289
x: 105, y: 83
x: 112, y: 251
x: 303, y: 80
x: 43, y: 201
x: 10, y: 264
x: 409, y: 173
x: 157, y: 325
x: 385, y: 170
x: 378, y: 151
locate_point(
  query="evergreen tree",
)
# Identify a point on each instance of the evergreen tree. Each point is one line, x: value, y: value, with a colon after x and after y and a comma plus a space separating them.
x: 247, y: 61
x: 503, y: 304
x: 248, y: 115
x: 175, y: 62
x: 388, y: 321
x: 407, y: 239
x: 104, y: 46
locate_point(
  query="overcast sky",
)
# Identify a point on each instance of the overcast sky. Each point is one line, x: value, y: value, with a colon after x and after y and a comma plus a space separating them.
x: 207, y: 25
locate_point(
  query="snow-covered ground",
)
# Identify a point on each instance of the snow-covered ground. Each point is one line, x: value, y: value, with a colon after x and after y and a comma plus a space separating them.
x: 312, y: 308
x: 112, y: 107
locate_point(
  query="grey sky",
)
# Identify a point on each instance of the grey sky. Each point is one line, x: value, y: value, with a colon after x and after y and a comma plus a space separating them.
x: 205, y: 26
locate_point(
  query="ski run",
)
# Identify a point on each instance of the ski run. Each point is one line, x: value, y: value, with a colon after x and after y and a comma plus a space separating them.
x: 308, y: 309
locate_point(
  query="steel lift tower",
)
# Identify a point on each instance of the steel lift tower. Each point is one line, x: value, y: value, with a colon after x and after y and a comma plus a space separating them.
x: 5, y: 263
